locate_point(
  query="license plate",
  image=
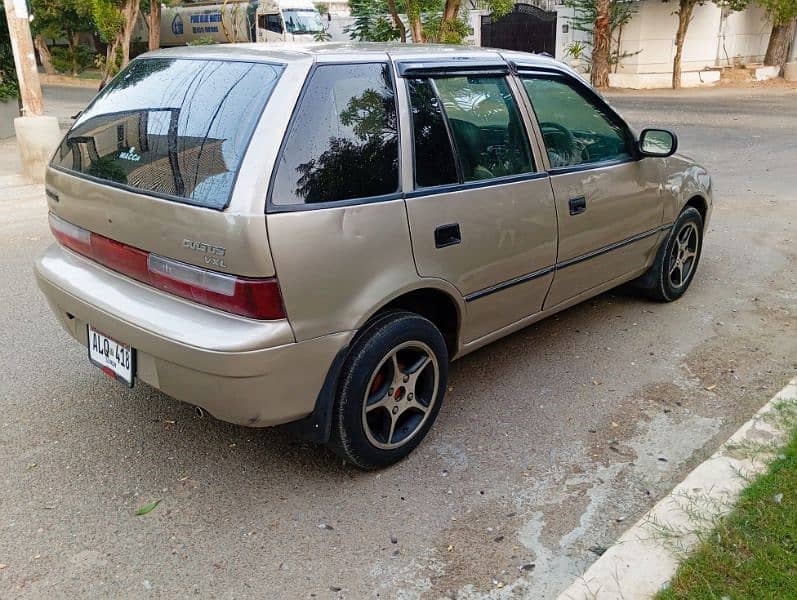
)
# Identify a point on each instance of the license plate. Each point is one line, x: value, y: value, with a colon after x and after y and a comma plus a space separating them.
x: 115, y: 358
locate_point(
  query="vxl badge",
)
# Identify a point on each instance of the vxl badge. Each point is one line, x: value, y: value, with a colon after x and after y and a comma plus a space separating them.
x: 213, y: 254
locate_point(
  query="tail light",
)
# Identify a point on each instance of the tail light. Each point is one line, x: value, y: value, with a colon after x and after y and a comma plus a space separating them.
x: 245, y: 296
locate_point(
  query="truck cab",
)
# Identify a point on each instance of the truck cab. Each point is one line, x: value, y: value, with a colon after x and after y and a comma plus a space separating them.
x: 288, y: 21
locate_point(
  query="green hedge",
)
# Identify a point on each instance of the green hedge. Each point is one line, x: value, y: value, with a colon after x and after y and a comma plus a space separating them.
x: 9, y: 86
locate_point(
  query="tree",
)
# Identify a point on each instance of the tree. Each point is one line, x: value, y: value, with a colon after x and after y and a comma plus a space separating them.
x: 684, y: 12
x: 441, y: 21
x: 372, y: 22
x: 44, y: 53
x: 114, y: 21
x: 56, y: 19
x: 784, y: 25
x: 154, y: 20
x: 601, y: 45
x: 597, y: 18
x: 397, y: 22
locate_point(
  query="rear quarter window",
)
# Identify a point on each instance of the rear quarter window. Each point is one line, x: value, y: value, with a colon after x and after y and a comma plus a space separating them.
x: 171, y: 127
x: 343, y: 139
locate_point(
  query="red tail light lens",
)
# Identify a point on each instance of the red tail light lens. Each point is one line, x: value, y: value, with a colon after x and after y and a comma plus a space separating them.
x: 248, y: 297
x: 71, y: 236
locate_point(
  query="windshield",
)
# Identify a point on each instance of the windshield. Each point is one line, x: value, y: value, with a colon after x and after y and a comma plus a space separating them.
x: 302, y: 21
x: 175, y: 128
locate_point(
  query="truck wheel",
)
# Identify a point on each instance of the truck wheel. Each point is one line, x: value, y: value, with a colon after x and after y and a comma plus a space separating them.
x: 391, y: 388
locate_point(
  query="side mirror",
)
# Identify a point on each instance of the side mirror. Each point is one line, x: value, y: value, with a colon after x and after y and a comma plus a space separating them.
x: 657, y: 142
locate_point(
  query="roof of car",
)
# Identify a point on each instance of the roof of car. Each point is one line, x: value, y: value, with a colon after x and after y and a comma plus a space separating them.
x: 350, y: 51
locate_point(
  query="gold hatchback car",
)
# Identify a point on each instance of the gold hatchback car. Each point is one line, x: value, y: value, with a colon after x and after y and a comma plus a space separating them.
x: 311, y: 234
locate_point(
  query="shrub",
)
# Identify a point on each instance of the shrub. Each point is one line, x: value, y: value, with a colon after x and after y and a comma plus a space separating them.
x: 72, y: 60
x: 203, y: 40
x: 9, y: 86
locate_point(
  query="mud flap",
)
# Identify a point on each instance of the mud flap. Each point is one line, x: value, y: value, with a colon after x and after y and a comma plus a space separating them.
x: 317, y: 426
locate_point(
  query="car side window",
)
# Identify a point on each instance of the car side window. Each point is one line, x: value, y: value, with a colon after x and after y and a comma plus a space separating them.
x: 434, y: 157
x: 575, y: 130
x: 343, y: 140
x: 486, y: 126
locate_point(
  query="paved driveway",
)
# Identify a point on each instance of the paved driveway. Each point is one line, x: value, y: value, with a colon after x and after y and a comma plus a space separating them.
x: 550, y: 443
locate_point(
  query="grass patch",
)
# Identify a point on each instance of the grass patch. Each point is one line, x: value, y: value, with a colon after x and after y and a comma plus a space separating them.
x: 752, y: 552
x: 90, y: 74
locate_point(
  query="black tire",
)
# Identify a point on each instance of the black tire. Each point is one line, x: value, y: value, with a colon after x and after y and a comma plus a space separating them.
x: 356, y: 418
x: 661, y: 282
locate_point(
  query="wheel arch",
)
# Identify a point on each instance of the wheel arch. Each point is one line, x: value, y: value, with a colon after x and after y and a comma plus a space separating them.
x: 432, y: 300
x: 698, y: 202
x: 438, y: 306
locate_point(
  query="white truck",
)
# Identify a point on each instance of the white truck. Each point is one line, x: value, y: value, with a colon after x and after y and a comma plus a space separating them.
x: 234, y: 21
x: 288, y: 21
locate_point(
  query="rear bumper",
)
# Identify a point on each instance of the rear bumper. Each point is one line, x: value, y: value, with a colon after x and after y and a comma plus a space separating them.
x: 243, y: 371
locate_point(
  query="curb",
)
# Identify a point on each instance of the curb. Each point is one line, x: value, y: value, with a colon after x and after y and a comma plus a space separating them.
x: 646, y: 556
x: 68, y: 81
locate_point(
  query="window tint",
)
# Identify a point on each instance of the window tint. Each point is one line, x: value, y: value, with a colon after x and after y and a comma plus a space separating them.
x: 301, y: 21
x: 574, y: 129
x: 434, y: 158
x: 171, y: 126
x: 343, y: 142
x: 486, y: 127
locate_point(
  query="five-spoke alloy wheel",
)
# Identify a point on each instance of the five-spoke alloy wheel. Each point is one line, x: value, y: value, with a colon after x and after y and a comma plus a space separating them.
x: 683, y: 254
x: 400, y: 395
x: 677, y: 259
x: 391, y: 389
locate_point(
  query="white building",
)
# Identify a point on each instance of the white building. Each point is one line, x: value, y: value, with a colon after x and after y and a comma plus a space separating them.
x: 716, y: 38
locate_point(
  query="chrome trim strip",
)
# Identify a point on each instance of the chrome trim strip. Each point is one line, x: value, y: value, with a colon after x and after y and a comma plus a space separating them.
x: 564, y: 264
x: 554, y: 171
x: 448, y: 188
x: 616, y: 245
x: 499, y: 287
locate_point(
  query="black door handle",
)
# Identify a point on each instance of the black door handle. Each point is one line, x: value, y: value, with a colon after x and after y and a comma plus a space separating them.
x: 447, y: 235
x: 578, y: 205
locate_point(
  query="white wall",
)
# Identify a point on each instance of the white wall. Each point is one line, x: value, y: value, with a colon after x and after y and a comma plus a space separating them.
x: 744, y: 37
x: 714, y: 38
x: 563, y: 40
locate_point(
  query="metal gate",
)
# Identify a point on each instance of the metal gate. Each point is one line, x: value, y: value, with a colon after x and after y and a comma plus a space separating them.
x: 526, y: 28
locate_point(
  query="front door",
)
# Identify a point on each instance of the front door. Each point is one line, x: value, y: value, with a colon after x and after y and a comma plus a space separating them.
x: 608, y: 202
x: 481, y: 214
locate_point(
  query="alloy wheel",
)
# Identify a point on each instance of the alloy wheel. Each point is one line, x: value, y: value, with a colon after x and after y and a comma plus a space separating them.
x: 683, y: 255
x: 400, y: 395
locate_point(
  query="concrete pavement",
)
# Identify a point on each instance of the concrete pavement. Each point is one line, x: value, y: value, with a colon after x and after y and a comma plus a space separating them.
x: 646, y: 557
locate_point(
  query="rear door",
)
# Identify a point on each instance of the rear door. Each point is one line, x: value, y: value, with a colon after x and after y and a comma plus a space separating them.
x: 608, y: 201
x: 481, y: 212
x: 337, y: 223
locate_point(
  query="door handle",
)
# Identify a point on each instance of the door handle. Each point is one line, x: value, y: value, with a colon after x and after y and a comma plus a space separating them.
x: 447, y: 235
x: 578, y: 205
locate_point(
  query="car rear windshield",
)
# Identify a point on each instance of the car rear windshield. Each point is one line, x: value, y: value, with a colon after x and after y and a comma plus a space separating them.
x: 174, y: 128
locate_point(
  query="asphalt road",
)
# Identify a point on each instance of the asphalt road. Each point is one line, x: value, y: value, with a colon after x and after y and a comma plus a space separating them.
x: 551, y: 442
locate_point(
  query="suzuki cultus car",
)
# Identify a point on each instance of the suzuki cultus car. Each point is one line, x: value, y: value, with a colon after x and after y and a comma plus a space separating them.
x: 311, y: 234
